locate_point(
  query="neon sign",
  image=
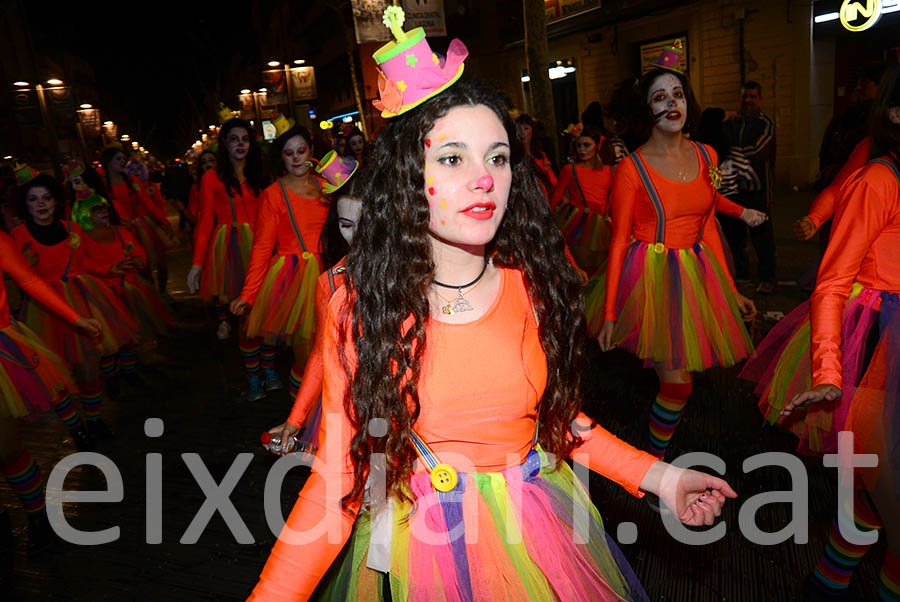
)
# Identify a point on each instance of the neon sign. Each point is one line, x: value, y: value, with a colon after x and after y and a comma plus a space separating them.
x: 851, y: 11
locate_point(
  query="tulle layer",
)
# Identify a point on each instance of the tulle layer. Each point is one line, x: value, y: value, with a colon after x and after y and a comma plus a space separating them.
x: 147, y: 307
x: 308, y: 439
x: 583, y: 228
x: 677, y: 309
x: 152, y: 238
x: 92, y: 299
x: 527, y: 533
x: 226, y: 262
x: 782, y: 368
x: 284, y: 310
x: 32, y: 377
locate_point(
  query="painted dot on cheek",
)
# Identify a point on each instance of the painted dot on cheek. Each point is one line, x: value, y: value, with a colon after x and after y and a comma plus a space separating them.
x: 443, y: 222
x: 431, y: 190
x: 433, y: 224
x: 443, y: 204
x: 442, y: 137
x: 428, y: 142
x: 430, y: 180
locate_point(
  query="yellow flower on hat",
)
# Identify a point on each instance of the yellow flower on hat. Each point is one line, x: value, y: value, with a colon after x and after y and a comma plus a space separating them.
x: 401, y: 85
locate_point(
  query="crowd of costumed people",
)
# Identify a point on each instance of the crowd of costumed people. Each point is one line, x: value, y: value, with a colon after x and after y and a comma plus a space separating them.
x: 435, y: 289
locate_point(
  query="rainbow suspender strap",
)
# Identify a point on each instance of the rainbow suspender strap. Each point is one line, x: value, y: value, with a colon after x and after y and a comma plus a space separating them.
x: 659, y: 245
x: 231, y: 202
x: 892, y: 167
x: 293, y: 221
x: 578, y: 186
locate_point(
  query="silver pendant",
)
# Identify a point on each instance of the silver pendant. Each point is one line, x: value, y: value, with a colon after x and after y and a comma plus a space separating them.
x: 461, y: 304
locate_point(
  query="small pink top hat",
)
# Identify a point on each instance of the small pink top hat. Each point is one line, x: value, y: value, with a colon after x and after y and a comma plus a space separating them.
x: 336, y: 170
x: 670, y: 58
x: 409, y: 73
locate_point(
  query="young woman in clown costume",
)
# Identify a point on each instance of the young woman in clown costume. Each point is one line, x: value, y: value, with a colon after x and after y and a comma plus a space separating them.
x: 453, y: 202
x: 53, y: 247
x: 280, y: 288
x: 667, y: 295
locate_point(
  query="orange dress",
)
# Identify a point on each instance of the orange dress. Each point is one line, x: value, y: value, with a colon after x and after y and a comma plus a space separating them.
x: 666, y: 285
x: 584, y: 218
x: 281, y: 287
x: 223, y: 237
x: 62, y: 265
x: 32, y: 377
x: 133, y: 204
x: 483, y: 423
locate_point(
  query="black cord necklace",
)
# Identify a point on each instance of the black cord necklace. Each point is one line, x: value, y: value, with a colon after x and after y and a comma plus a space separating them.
x: 462, y: 286
x: 460, y: 303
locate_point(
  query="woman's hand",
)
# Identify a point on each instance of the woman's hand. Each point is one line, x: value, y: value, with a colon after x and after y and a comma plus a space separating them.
x: 31, y: 256
x: 747, y: 307
x: 696, y: 498
x: 283, y: 432
x: 753, y: 218
x: 606, y: 334
x: 89, y: 326
x: 804, y: 228
x: 238, y: 306
x: 193, y: 279
x: 815, y: 395
x: 119, y: 267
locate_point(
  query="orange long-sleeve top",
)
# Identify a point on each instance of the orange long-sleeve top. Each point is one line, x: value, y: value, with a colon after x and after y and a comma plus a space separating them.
x: 823, y: 205
x: 686, y: 208
x: 275, y: 231
x: 864, y: 247
x: 54, y: 259
x: 594, y: 182
x: 314, y: 371
x: 130, y: 200
x: 215, y: 208
x: 101, y: 257
x: 486, y: 420
x: 14, y: 264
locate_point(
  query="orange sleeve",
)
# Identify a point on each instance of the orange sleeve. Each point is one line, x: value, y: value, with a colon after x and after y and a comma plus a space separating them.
x: 264, y: 235
x: 15, y: 265
x: 311, y: 385
x: 857, y: 223
x: 193, y: 206
x: 562, y: 184
x: 207, y: 214
x: 728, y: 207
x: 611, y: 457
x: 822, y: 207
x: 149, y: 205
x: 625, y: 190
x: 318, y: 524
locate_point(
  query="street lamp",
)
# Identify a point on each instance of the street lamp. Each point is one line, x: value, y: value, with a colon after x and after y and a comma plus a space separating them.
x: 273, y: 64
x: 246, y: 91
x: 86, y: 106
x: 21, y: 84
x: 54, y: 81
x: 299, y: 61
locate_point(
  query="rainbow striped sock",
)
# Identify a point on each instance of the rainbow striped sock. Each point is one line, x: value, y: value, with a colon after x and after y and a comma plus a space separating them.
x: 267, y: 352
x: 108, y: 366
x: 250, y: 355
x: 838, y: 561
x: 24, y: 478
x: 65, y: 409
x: 294, y: 380
x: 127, y: 361
x: 220, y: 312
x: 91, y: 394
x: 665, y: 414
x: 889, y: 579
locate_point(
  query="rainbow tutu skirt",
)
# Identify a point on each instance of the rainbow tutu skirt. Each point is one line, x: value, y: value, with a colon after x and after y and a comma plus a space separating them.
x: 529, y: 532
x: 32, y: 377
x: 782, y: 368
x: 677, y: 309
x: 226, y: 262
x: 146, y: 305
x: 152, y: 238
x: 583, y: 228
x: 92, y: 299
x: 284, y: 310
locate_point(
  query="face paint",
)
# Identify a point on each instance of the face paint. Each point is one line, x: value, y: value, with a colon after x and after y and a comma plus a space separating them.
x: 238, y: 143
x: 41, y: 205
x: 295, y: 155
x: 485, y: 182
x: 585, y: 148
x: 667, y: 103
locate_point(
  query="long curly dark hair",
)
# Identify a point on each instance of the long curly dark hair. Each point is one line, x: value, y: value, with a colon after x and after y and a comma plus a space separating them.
x: 390, y: 269
x: 254, y: 169
x: 332, y: 242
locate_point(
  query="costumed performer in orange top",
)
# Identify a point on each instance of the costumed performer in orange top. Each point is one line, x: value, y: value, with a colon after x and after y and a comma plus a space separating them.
x: 452, y: 208
x: 337, y: 233
x: 584, y: 217
x: 853, y: 381
x: 229, y: 203
x: 205, y: 162
x: 532, y: 133
x: 53, y: 247
x: 116, y: 257
x: 280, y: 288
x: 32, y: 380
x: 667, y: 295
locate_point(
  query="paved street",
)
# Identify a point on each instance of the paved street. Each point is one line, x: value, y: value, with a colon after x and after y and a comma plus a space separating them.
x: 196, y: 382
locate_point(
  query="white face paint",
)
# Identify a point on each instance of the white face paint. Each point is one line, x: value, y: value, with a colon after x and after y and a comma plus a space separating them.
x: 667, y: 103
x: 348, y: 210
x: 894, y: 115
x: 295, y: 155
